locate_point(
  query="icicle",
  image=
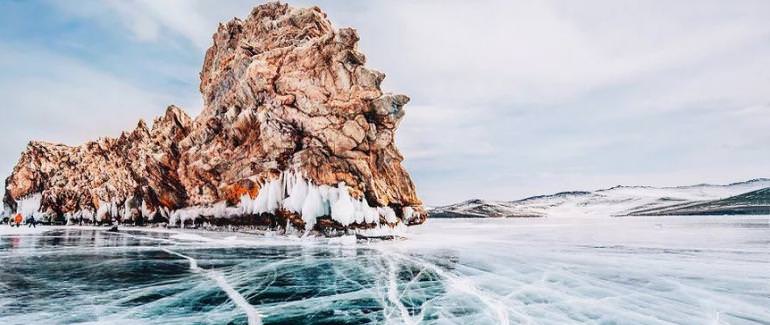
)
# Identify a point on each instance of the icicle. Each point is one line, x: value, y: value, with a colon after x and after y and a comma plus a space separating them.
x: 88, y: 215
x: 298, y: 192
x: 113, y: 209
x: 260, y: 203
x: 388, y: 214
x: 290, y: 191
x: 29, y: 205
x: 146, y: 212
x: 408, y: 213
x: 126, y: 211
x: 220, y: 210
x: 313, y: 207
x: 343, y: 209
x: 371, y: 215
x: 103, y: 209
x: 247, y: 204
x: 275, y: 195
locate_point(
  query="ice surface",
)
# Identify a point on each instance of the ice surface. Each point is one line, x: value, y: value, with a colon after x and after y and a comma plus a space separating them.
x: 652, y: 270
x: 254, y: 318
x: 6, y: 230
x: 681, y: 270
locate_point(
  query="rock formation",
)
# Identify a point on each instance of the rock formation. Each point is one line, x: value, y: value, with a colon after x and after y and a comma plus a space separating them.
x: 294, y: 130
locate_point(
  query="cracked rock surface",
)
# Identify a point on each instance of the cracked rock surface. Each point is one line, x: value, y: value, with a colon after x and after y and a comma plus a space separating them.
x: 283, y: 91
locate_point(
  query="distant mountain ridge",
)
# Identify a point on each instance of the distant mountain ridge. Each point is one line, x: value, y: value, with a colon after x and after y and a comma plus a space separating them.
x: 755, y: 202
x: 748, y: 197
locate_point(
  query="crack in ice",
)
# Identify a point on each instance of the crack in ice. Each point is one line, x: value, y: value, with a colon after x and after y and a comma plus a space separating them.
x: 252, y: 314
x: 463, y: 285
x: 393, y: 294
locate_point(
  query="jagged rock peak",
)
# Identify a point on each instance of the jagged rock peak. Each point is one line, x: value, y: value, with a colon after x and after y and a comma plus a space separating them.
x: 293, y: 125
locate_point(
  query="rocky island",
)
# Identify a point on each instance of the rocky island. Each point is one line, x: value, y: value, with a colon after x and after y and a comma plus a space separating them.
x: 294, y: 133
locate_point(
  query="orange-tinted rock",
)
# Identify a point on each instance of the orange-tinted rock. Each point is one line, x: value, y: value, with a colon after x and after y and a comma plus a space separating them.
x: 283, y: 91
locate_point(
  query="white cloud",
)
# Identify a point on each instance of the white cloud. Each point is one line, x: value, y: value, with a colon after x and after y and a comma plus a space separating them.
x: 518, y: 97
x: 183, y: 17
x: 504, y: 52
x: 64, y: 94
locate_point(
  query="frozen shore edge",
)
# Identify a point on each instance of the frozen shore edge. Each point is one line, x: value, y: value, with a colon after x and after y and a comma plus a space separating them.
x: 289, y: 202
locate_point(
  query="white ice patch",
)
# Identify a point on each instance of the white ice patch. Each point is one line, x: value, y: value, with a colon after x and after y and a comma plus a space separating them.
x: 343, y: 240
x: 399, y: 230
x: 30, y: 205
x: 290, y: 191
x: 297, y: 189
x: 183, y: 215
x: 88, y: 214
x: 295, y: 193
x: 114, y: 209
x: 126, y: 211
x: 408, y: 213
x: 146, y: 212
x: 388, y: 214
x: 343, y: 208
x: 24, y: 230
x: 218, y: 210
x: 103, y: 209
x: 314, y: 206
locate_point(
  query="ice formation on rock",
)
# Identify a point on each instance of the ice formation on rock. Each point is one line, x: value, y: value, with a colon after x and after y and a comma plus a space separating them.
x: 294, y: 193
x: 30, y: 205
x: 294, y: 130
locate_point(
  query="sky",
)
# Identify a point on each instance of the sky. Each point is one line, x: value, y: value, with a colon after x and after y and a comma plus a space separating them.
x: 509, y: 98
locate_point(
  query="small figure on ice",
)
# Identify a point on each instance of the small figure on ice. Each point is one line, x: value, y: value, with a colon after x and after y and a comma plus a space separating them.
x: 18, y: 220
x: 31, y: 222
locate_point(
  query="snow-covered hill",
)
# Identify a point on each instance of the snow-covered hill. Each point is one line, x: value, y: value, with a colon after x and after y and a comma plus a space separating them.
x: 615, y: 201
x: 754, y: 202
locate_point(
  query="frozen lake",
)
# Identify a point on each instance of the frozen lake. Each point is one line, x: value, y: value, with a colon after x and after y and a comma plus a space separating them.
x: 661, y: 270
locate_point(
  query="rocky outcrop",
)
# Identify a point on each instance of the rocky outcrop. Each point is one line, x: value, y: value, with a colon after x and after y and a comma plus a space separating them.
x: 138, y: 168
x: 294, y: 130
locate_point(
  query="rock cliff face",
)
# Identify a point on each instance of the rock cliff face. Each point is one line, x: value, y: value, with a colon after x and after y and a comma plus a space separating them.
x: 294, y: 130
